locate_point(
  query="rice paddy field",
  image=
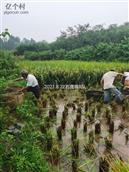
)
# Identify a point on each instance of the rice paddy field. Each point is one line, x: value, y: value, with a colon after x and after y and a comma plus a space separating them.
x: 84, y: 134
x: 71, y: 72
x: 87, y: 135
x: 66, y: 130
x: 73, y: 65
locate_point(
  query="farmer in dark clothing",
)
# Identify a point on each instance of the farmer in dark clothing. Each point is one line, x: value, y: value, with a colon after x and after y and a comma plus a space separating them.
x: 32, y: 83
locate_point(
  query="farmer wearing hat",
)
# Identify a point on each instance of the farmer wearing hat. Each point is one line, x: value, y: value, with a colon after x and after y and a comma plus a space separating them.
x: 32, y: 83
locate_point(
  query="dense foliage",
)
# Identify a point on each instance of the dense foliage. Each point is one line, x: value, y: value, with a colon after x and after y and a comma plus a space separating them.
x: 45, y: 55
x: 8, y: 69
x: 21, y: 151
x: 103, y: 51
x: 80, y: 42
x: 83, y: 35
x: 7, y: 64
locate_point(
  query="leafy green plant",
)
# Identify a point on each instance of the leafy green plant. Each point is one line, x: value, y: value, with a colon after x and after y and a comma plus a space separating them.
x: 25, y: 111
x: 8, y: 65
x: 21, y: 153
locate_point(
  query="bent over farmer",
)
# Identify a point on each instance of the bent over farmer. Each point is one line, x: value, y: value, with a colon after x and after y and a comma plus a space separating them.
x: 109, y: 89
x: 32, y: 83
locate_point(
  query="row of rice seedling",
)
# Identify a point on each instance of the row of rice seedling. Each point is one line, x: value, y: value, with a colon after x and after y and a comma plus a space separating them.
x: 71, y: 72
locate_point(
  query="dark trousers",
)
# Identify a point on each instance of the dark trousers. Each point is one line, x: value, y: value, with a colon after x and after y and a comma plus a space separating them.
x: 35, y: 90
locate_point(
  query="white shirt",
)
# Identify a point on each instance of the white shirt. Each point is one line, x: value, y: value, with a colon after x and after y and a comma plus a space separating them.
x: 31, y: 81
x: 126, y: 74
x: 108, y: 79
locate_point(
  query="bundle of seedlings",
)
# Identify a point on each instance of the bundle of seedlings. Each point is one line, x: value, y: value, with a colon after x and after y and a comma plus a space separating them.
x: 54, y: 95
x: 93, y: 113
x: 121, y: 126
x: 114, y: 106
x: 123, y: 108
x: 44, y: 100
x: 63, y: 124
x: 59, y: 133
x: 43, y: 128
x: 91, y: 137
x: 78, y: 118
x: 65, y: 113
x: 75, y: 148
x: 89, y: 148
x: 66, y: 108
x: 55, y: 155
x: 75, y: 123
x: 69, y: 104
x: 108, y: 117
x: 49, y: 140
x: 79, y: 110
x: 47, y: 122
x: 73, y: 134
x: 99, y: 107
x: 85, y: 127
x: 126, y: 138
x: 111, y: 127
x: 108, y: 143
x: 125, y: 115
x: 126, y: 132
x: 76, y: 101
x: 73, y: 106
x: 52, y: 103
x: 53, y: 112
x: 97, y: 127
x: 117, y: 164
x: 103, y: 165
x: 107, y: 111
x: 61, y: 94
x: 74, y: 166
x: 91, y: 101
x: 90, y: 118
x: 86, y: 106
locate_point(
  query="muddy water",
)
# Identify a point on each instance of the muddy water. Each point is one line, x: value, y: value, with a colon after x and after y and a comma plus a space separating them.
x: 120, y: 146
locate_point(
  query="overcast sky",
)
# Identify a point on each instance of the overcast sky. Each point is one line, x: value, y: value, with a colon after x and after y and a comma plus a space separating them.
x: 46, y: 19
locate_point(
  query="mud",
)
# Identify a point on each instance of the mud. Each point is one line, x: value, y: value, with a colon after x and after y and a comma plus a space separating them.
x: 120, y: 146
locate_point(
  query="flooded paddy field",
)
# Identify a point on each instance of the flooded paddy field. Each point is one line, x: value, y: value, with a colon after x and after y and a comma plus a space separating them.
x: 84, y: 135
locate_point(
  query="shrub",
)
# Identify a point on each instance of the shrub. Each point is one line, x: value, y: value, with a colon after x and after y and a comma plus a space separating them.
x: 7, y: 64
x: 45, y: 55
